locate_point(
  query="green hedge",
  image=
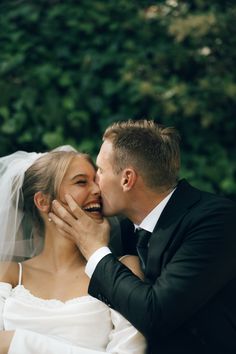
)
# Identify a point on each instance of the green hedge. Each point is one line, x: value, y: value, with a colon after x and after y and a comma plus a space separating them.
x: 69, y: 68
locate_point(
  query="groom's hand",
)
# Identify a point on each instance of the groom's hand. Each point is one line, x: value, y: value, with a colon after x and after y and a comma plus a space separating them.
x: 76, y: 225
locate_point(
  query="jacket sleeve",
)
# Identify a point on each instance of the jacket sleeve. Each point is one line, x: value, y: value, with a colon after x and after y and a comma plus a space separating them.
x: 202, y: 263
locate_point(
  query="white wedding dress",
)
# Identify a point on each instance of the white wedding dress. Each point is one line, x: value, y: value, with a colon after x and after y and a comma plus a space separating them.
x: 83, y: 325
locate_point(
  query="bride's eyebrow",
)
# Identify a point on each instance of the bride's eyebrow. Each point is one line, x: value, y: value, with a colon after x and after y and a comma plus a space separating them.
x: 79, y: 175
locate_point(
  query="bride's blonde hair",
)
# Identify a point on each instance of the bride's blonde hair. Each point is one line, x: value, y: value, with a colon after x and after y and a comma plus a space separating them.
x: 46, y: 175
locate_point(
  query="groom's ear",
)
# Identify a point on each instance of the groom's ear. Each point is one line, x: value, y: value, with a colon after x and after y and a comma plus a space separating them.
x: 42, y: 202
x: 128, y: 179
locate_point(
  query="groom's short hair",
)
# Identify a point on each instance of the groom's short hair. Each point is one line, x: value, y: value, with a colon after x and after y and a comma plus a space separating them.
x: 150, y: 148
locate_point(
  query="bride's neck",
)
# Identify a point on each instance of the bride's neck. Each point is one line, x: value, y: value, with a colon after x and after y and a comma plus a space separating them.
x: 60, y: 253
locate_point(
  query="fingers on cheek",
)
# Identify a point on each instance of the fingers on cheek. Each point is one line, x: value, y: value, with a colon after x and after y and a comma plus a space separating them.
x: 54, y: 218
x: 58, y: 209
x: 62, y: 212
x: 63, y: 225
x: 63, y: 228
x: 61, y: 216
x: 70, y: 201
x: 58, y: 222
x: 64, y: 234
x: 73, y: 208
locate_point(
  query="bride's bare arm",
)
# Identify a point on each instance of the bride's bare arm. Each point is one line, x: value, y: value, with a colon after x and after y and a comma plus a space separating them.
x: 5, y: 341
x: 9, y: 272
x: 133, y: 263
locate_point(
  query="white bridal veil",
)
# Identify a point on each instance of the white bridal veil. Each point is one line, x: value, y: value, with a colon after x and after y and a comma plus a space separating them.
x: 12, y: 169
x: 15, y: 230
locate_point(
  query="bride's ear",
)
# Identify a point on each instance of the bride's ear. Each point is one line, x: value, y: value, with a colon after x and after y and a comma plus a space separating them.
x: 42, y: 202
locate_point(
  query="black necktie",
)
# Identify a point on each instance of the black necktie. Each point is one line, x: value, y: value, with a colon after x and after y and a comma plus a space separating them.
x: 143, y: 237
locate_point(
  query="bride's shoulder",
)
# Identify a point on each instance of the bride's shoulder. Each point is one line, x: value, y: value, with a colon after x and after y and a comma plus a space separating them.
x: 9, y: 272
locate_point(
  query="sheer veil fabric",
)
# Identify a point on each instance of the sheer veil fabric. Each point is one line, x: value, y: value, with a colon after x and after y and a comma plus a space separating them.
x: 16, y: 238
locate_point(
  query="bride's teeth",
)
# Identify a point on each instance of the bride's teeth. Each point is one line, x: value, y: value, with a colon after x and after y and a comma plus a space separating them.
x: 93, y: 206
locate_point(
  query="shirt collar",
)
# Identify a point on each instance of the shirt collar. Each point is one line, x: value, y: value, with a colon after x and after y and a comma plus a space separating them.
x: 149, y: 222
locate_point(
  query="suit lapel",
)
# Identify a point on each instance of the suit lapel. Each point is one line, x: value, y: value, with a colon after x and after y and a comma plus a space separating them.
x: 166, y: 228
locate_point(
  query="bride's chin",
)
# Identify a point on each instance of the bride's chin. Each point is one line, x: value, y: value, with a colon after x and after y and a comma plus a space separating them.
x: 96, y: 217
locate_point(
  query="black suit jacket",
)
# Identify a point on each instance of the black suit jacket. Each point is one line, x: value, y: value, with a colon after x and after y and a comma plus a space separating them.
x: 187, y: 303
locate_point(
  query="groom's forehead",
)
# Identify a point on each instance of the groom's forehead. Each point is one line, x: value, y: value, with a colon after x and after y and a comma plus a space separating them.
x: 105, y: 154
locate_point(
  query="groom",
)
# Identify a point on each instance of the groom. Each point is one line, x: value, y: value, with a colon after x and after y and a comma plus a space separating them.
x: 187, y: 302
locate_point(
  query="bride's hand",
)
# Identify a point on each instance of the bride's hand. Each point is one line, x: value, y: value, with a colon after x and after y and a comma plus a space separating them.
x: 133, y: 263
x: 5, y: 341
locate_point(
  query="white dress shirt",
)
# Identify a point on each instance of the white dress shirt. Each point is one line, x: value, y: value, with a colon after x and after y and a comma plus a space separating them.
x: 147, y: 224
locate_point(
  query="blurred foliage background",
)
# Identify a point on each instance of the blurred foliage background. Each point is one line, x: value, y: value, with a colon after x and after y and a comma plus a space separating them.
x: 70, y: 68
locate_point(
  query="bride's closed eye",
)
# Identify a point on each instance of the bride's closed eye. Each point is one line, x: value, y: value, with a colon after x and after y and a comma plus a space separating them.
x: 81, y: 182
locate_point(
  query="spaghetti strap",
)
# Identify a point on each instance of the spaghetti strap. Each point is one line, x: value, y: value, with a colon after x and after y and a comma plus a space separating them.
x: 20, y: 274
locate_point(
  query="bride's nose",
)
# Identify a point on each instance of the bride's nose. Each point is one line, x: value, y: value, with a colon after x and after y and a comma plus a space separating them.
x: 95, y: 189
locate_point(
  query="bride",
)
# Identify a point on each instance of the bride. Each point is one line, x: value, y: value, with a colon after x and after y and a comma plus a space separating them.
x: 44, y: 301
